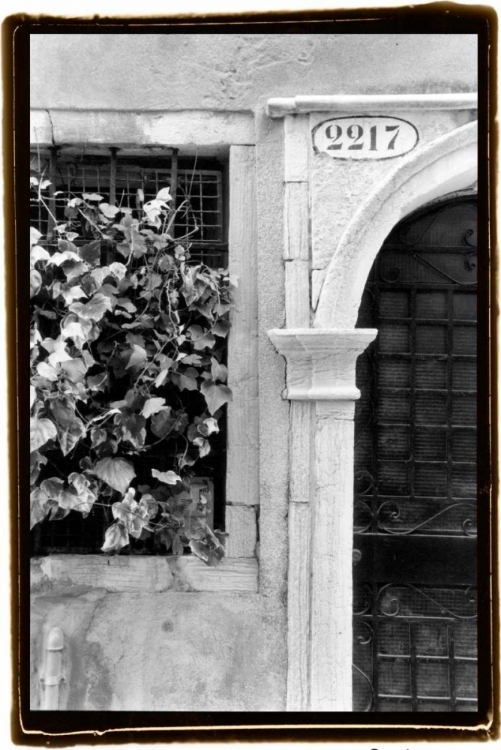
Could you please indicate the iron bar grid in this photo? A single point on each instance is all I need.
(415, 464)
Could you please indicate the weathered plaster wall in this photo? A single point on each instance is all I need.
(161, 652)
(240, 71)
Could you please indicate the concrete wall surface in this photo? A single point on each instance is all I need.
(161, 652)
(240, 71)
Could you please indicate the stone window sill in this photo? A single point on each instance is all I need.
(141, 575)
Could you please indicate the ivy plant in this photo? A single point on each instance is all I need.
(128, 379)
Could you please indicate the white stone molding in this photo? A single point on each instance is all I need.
(242, 473)
(321, 387)
(321, 362)
(280, 107)
(445, 165)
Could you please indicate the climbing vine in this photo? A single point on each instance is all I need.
(128, 375)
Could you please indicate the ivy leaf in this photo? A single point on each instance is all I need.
(33, 396)
(221, 328)
(134, 516)
(109, 211)
(159, 380)
(53, 487)
(41, 431)
(77, 329)
(91, 197)
(116, 537)
(34, 236)
(201, 338)
(91, 253)
(39, 506)
(138, 245)
(57, 349)
(133, 429)
(38, 253)
(98, 436)
(164, 194)
(186, 380)
(36, 460)
(94, 309)
(71, 436)
(118, 270)
(74, 270)
(35, 283)
(192, 359)
(126, 304)
(215, 395)
(75, 370)
(99, 274)
(208, 426)
(63, 410)
(58, 258)
(138, 357)
(152, 406)
(162, 423)
(98, 382)
(117, 472)
(70, 294)
(167, 477)
(124, 249)
(218, 371)
(47, 371)
(203, 446)
(85, 492)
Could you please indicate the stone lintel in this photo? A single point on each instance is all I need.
(321, 362)
(280, 107)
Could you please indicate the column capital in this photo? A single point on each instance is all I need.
(321, 361)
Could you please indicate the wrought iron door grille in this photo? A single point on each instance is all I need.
(415, 470)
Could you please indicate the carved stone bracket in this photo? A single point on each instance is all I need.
(321, 362)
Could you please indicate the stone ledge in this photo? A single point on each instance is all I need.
(279, 107)
(138, 132)
(141, 575)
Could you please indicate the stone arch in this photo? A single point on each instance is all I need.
(446, 165)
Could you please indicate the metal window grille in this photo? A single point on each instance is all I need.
(199, 198)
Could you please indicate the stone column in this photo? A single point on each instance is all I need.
(321, 369)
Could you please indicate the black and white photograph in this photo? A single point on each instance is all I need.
(259, 474)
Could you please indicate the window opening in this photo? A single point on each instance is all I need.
(198, 186)
(416, 470)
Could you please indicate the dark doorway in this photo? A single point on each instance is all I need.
(415, 611)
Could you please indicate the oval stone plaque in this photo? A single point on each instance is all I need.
(364, 137)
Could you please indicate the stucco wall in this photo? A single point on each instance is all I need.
(240, 71)
(161, 652)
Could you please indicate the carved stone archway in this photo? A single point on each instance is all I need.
(446, 165)
(321, 387)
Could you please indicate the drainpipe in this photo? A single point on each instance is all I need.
(53, 670)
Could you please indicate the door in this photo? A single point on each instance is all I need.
(415, 613)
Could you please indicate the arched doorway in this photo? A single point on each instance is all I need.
(415, 469)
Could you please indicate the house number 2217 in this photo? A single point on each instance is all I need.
(364, 137)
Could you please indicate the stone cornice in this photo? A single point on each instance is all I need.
(280, 107)
(321, 362)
